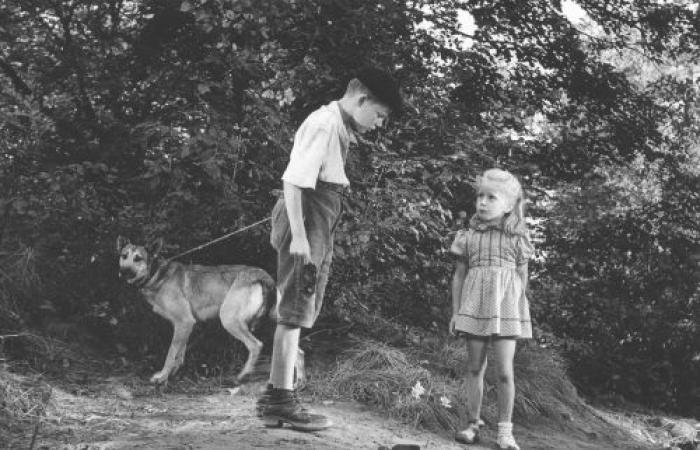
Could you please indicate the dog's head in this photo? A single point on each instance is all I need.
(135, 260)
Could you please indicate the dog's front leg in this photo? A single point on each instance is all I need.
(176, 353)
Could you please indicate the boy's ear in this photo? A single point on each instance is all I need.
(154, 247)
(121, 243)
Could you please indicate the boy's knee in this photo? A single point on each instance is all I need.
(287, 326)
(285, 331)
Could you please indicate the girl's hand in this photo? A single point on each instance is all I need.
(451, 327)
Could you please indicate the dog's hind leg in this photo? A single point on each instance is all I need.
(238, 311)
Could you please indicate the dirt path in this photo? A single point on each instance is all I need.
(112, 416)
(210, 421)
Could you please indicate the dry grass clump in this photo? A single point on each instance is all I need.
(23, 403)
(29, 351)
(542, 386)
(385, 377)
(23, 294)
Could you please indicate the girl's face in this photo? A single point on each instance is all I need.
(492, 204)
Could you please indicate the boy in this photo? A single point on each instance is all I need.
(303, 225)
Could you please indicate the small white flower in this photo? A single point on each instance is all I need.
(445, 402)
(417, 390)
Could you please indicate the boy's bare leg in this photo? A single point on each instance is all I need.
(279, 404)
(284, 353)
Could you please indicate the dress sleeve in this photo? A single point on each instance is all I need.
(459, 245)
(525, 250)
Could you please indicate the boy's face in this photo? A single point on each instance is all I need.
(368, 114)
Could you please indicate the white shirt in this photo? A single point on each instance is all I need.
(320, 147)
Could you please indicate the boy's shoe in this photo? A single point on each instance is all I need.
(469, 435)
(277, 407)
(262, 400)
(264, 397)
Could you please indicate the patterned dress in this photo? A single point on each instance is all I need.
(493, 300)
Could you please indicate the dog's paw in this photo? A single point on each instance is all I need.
(159, 378)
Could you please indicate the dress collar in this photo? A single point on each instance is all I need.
(479, 225)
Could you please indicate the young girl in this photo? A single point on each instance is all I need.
(488, 296)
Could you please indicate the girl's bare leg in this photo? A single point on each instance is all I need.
(476, 368)
(505, 352)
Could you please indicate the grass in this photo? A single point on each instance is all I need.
(18, 282)
(384, 377)
(542, 384)
(23, 403)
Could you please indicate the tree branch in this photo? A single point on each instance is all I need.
(633, 47)
(71, 52)
(14, 77)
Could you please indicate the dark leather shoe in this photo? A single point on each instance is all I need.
(277, 407)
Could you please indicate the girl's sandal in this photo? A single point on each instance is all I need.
(506, 443)
(469, 435)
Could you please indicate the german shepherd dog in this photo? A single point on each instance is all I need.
(185, 294)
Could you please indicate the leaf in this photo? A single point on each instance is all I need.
(186, 6)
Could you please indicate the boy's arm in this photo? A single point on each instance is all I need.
(457, 283)
(292, 201)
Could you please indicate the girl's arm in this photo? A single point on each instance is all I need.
(522, 272)
(457, 283)
(525, 252)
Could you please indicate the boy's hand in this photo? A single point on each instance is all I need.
(300, 247)
(451, 326)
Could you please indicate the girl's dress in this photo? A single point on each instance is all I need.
(493, 300)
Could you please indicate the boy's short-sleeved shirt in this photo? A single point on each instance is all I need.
(320, 148)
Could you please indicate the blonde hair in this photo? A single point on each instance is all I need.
(508, 184)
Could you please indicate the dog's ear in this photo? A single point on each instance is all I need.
(121, 242)
(154, 247)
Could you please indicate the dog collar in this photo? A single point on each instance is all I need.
(157, 266)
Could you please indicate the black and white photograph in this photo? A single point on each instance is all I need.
(350, 224)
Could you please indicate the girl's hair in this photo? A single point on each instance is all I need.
(508, 184)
